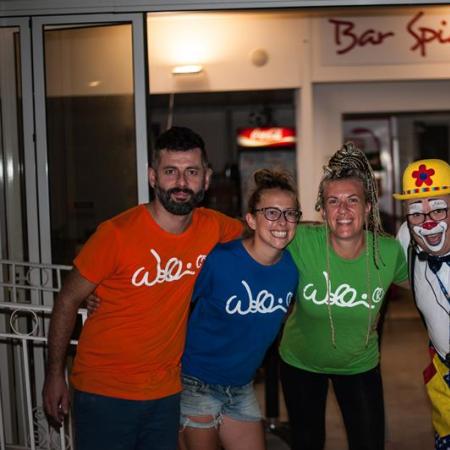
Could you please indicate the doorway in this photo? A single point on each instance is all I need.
(392, 141)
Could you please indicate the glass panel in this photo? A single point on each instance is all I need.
(12, 228)
(12, 200)
(90, 130)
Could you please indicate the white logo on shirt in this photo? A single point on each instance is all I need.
(263, 303)
(344, 296)
(172, 271)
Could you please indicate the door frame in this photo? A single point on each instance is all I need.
(11, 375)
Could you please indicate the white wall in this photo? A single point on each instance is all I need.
(225, 45)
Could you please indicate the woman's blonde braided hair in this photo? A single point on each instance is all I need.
(349, 162)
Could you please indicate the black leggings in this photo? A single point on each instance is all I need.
(360, 398)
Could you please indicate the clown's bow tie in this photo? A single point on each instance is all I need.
(435, 262)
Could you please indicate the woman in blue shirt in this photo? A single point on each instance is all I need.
(240, 299)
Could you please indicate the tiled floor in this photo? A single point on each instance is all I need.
(404, 356)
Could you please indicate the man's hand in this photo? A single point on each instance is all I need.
(56, 398)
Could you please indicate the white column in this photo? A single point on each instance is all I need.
(308, 160)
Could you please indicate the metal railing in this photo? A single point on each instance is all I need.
(27, 294)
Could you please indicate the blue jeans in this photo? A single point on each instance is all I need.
(216, 400)
(108, 423)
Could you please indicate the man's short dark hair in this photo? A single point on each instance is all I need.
(178, 139)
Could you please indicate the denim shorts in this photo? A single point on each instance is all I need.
(217, 400)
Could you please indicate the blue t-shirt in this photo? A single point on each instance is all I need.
(239, 307)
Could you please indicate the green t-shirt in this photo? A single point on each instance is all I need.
(307, 337)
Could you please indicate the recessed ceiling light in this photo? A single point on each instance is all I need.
(187, 69)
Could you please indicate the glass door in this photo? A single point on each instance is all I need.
(18, 202)
(90, 125)
(18, 208)
(91, 129)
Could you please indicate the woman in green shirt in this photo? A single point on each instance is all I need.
(346, 266)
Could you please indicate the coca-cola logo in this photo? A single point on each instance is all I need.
(273, 134)
(266, 137)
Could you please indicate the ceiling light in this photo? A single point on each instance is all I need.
(187, 69)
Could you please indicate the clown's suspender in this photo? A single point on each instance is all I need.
(412, 255)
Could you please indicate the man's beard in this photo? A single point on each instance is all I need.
(179, 208)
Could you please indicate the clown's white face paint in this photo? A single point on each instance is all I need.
(414, 208)
(438, 203)
(434, 238)
(431, 235)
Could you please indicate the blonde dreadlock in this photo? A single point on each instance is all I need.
(349, 162)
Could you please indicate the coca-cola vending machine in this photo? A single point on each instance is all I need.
(264, 147)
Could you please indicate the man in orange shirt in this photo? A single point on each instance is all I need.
(142, 264)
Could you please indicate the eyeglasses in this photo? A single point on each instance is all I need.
(271, 213)
(419, 218)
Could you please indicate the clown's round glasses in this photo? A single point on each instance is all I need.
(419, 218)
(271, 213)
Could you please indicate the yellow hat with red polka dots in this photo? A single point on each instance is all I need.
(425, 178)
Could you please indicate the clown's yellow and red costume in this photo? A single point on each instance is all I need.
(425, 181)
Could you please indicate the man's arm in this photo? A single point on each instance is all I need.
(404, 238)
(404, 284)
(55, 393)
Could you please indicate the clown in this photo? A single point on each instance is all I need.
(425, 238)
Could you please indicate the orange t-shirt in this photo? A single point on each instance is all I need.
(131, 347)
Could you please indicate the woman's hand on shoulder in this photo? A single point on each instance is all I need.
(92, 303)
